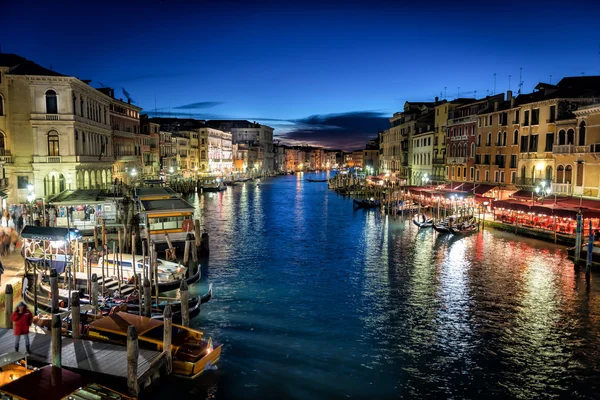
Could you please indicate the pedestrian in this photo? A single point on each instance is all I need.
(21, 319)
(1, 272)
(20, 223)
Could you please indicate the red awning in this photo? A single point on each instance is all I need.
(523, 194)
(512, 205)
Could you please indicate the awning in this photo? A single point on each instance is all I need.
(48, 233)
(511, 205)
(523, 194)
(483, 189)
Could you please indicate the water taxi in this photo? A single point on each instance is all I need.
(192, 353)
(167, 271)
(171, 216)
(212, 184)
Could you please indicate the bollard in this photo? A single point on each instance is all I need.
(185, 305)
(133, 353)
(147, 298)
(75, 316)
(8, 306)
(168, 332)
(95, 293)
(54, 290)
(56, 341)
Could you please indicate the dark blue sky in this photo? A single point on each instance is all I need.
(324, 72)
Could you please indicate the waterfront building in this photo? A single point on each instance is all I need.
(55, 132)
(150, 138)
(371, 155)
(253, 134)
(219, 151)
(331, 159)
(125, 124)
(291, 158)
(547, 119)
(461, 130)
(168, 157)
(181, 146)
(496, 145)
(279, 157)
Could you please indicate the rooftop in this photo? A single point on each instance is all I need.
(156, 191)
(81, 196)
(175, 204)
(21, 66)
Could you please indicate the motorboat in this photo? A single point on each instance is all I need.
(192, 352)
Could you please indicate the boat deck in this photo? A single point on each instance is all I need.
(81, 354)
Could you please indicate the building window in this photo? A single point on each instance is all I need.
(560, 174)
(487, 176)
(568, 174)
(549, 141)
(477, 175)
(517, 114)
(472, 152)
(504, 138)
(51, 103)
(76, 135)
(491, 119)
(579, 174)
(1, 106)
(499, 139)
(479, 140)
(535, 116)
(471, 173)
(513, 161)
(2, 144)
(513, 177)
(552, 114)
(524, 144)
(53, 149)
(489, 139)
(496, 176)
(549, 173)
(533, 143)
(74, 105)
(526, 118)
(570, 136)
(581, 141)
(515, 138)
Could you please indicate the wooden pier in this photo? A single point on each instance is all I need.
(80, 354)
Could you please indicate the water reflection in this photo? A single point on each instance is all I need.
(314, 301)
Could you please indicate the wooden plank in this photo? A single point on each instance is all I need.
(104, 358)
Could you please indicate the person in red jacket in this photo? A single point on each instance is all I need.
(21, 319)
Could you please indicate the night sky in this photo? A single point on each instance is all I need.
(322, 73)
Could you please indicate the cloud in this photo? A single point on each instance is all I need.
(199, 105)
(347, 131)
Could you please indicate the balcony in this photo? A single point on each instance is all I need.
(572, 149)
(530, 181)
(53, 159)
(457, 160)
(439, 160)
(5, 156)
(93, 158)
(562, 188)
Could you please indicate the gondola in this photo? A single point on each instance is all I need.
(423, 224)
(366, 203)
(441, 228)
(463, 229)
(168, 286)
(316, 180)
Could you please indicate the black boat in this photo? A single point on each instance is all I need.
(441, 228)
(424, 224)
(316, 180)
(366, 203)
(463, 229)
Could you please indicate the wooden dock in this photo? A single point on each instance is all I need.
(81, 354)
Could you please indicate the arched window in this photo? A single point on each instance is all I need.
(499, 139)
(562, 137)
(523, 172)
(515, 137)
(560, 174)
(570, 136)
(472, 150)
(53, 144)
(581, 133)
(83, 136)
(549, 174)
(568, 174)
(465, 150)
(51, 103)
(1, 105)
(504, 138)
(81, 106)
(479, 140)
(203, 155)
(2, 144)
(453, 151)
(74, 105)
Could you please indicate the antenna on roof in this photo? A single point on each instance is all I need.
(583, 73)
(475, 94)
(494, 83)
(520, 80)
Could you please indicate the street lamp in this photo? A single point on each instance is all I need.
(542, 190)
(426, 179)
(69, 180)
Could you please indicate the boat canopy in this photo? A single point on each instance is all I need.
(120, 322)
(50, 383)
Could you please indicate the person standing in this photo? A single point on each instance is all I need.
(20, 224)
(21, 319)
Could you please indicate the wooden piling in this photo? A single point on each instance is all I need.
(133, 352)
(186, 253)
(147, 298)
(168, 332)
(54, 290)
(194, 251)
(95, 293)
(185, 305)
(75, 315)
(95, 237)
(56, 341)
(8, 306)
(197, 232)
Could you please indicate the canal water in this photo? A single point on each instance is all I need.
(315, 300)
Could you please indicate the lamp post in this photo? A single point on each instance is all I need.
(69, 180)
(542, 190)
(426, 179)
(30, 199)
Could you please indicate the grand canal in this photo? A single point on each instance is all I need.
(316, 301)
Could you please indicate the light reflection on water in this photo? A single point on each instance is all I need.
(314, 300)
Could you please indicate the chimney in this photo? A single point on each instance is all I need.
(436, 99)
(128, 101)
(509, 95)
(496, 104)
